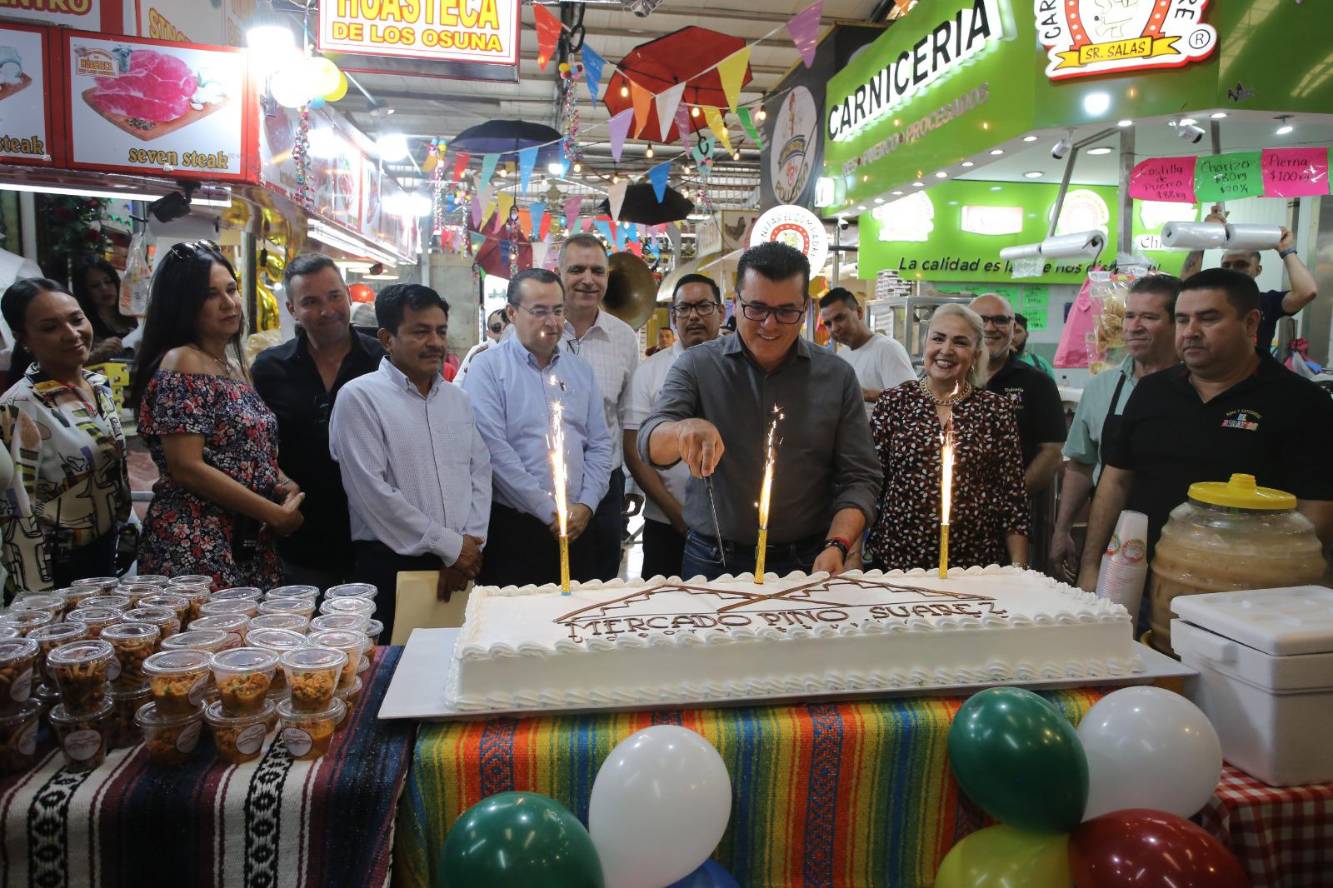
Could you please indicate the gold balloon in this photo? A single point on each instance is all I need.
(429, 163)
(237, 215)
(267, 308)
(274, 266)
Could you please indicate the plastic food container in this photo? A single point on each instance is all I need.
(243, 676)
(8, 632)
(307, 734)
(95, 618)
(81, 670)
(126, 702)
(239, 739)
(18, 660)
(137, 592)
(351, 590)
(133, 643)
(362, 606)
(52, 604)
(102, 584)
(373, 633)
(349, 695)
(290, 622)
(304, 607)
(18, 738)
(247, 593)
(198, 596)
(351, 622)
(312, 676)
(178, 679)
(83, 738)
(115, 602)
(26, 621)
(1265, 662)
(76, 595)
(154, 579)
(208, 640)
(169, 739)
(165, 619)
(350, 643)
(178, 604)
(191, 580)
(50, 637)
(292, 592)
(246, 607)
(235, 625)
(279, 641)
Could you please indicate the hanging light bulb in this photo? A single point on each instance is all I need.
(615, 180)
(762, 115)
(503, 171)
(649, 152)
(624, 91)
(578, 167)
(694, 110)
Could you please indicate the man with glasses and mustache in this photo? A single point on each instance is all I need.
(714, 412)
(696, 316)
(513, 388)
(496, 322)
(300, 380)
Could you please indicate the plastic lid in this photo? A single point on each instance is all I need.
(1241, 492)
(95, 614)
(26, 710)
(99, 582)
(341, 639)
(351, 622)
(165, 599)
(314, 658)
(293, 592)
(286, 606)
(1290, 620)
(197, 640)
(150, 614)
(335, 711)
(28, 619)
(250, 593)
(8, 632)
(191, 580)
(114, 602)
(142, 692)
(127, 631)
(290, 622)
(155, 579)
(37, 602)
(275, 639)
(17, 649)
(245, 606)
(148, 716)
(169, 662)
(345, 693)
(363, 606)
(221, 622)
(80, 652)
(68, 631)
(215, 716)
(245, 659)
(351, 590)
(60, 715)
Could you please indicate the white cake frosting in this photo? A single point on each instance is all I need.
(667, 640)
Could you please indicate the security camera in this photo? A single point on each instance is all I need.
(1190, 133)
(844, 223)
(1061, 148)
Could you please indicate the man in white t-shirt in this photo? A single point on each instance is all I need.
(879, 361)
(696, 317)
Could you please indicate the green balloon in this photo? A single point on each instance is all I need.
(1003, 857)
(519, 839)
(1017, 757)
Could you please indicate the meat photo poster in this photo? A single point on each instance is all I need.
(24, 137)
(164, 108)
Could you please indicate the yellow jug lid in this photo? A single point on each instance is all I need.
(1241, 492)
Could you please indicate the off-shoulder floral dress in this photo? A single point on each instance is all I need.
(185, 533)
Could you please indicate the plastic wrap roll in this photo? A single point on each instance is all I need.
(1080, 245)
(1025, 251)
(1194, 235)
(1253, 237)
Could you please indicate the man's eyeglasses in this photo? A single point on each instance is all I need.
(702, 309)
(785, 314)
(997, 320)
(543, 312)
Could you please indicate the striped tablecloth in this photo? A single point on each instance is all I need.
(271, 823)
(1282, 834)
(823, 794)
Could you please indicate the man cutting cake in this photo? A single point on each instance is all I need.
(715, 409)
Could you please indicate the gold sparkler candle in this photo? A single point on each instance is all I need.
(558, 481)
(766, 495)
(946, 493)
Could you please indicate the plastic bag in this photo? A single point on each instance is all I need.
(138, 278)
(1078, 336)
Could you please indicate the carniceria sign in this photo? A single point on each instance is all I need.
(969, 31)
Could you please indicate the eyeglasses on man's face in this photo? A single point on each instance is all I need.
(785, 314)
(543, 312)
(997, 320)
(702, 309)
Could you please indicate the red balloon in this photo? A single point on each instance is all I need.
(1138, 848)
(361, 293)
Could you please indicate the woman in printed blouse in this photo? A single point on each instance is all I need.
(221, 496)
(989, 516)
(61, 512)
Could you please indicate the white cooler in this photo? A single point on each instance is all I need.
(1265, 662)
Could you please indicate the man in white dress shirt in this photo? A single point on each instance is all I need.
(416, 469)
(611, 348)
(696, 316)
(880, 362)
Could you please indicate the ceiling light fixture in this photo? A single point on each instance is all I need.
(1029, 138)
(392, 146)
(1032, 174)
(861, 208)
(1284, 125)
(1099, 151)
(1218, 115)
(1124, 123)
(897, 194)
(918, 184)
(1096, 104)
(967, 164)
(1188, 121)
(996, 152)
(941, 175)
(879, 200)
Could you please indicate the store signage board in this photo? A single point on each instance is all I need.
(1090, 37)
(1228, 176)
(25, 113)
(485, 31)
(1295, 172)
(148, 106)
(796, 227)
(86, 15)
(1163, 178)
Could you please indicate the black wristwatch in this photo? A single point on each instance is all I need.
(837, 544)
(1283, 254)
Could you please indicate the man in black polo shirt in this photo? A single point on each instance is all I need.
(1227, 409)
(299, 381)
(1036, 403)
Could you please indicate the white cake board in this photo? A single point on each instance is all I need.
(419, 688)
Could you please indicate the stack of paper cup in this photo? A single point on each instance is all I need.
(1125, 563)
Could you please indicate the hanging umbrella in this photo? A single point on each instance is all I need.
(641, 205)
(508, 137)
(662, 63)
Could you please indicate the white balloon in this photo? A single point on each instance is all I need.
(1149, 748)
(659, 806)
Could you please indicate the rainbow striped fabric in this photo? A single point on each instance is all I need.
(823, 794)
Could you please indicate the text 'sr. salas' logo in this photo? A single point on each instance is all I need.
(1086, 37)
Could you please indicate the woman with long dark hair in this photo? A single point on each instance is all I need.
(60, 513)
(221, 496)
(96, 285)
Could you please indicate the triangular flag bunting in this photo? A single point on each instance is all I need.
(488, 163)
(538, 211)
(804, 30)
(460, 164)
(616, 197)
(525, 222)
(619, 127)
(476, 210)
(658, 176)
(731, 71)
(636, 248)
(552, 256)
(683, 126)
(642, 100)
(539, 253)
(572, 206)
(673, 235)
(604, 229)
(504, 203)
(667, 102)
(587, 223)
(548, 32)
(750, 130)
(719, 128)
(592, 69)
(527, 159)
(478, 240)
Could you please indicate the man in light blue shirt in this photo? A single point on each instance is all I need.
(416, 470)
(1150, 340)
(513, 387)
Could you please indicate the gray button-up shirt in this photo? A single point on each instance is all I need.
(825, 462)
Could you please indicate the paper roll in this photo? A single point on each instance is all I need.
(1026, 251)
(1080, 245)
(1253, 237)
(1194, 235)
